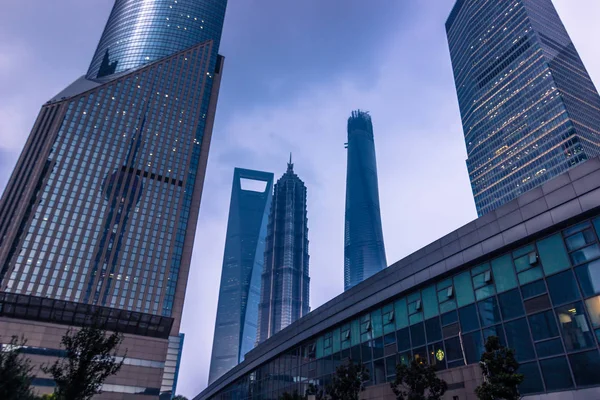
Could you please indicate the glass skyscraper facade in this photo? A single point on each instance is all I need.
(142, 31)
(529, 109)
(285, 278)
(100, 211)
(364, 251)
(243, 259)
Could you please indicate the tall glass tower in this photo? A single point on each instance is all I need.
(285, 279)
(529, 109)
(239, 293)
(364, 251)
(100, 213)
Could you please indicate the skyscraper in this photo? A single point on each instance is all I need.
(529, 109)
(239, 293)
(100, 213)
(364, 251)
(285, 280)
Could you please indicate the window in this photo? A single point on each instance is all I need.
(379, 372)
(433, 330)
(563, 288)
(365, 351)
(580, 239)
(585, 367)
(453, 349)
(517, 336)
(400, 313)
(390, 366)
(533, 380)
(533, 289)
(585, 254)
(377, 348)
(404, 358)
(489, 312)
(549, 348)
(446, 295)
(556, 373)
(430, 302)
(389, 325)
(403, 337)
(589, 278)
(449, 318)
(473, 345)
(390, 338)
(482, 281)
(355, 353)
(495, 331)
(437, 356)
(537, 304)
(553, 254)
(504, 274)
(376, 324)
(511, 304)
(575, 329)
(468, 318)
(543, 325)
(530, 275)
(415, 311)
(417, 334)
(464, 289)
(593, 307)
(525, 262)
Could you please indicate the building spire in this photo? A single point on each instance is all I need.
(290, 164)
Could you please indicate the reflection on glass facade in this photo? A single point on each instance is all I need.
(239, 293)
(171, 367)
(541, 299)
(529, 109)
(285, 278)
(102, 228)
(101, 208)
(142, 31)
(364, 251)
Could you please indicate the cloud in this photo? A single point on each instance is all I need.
(293, 73)
(424, 189)
(420, 153)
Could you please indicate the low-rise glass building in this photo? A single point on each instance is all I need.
(528, 272)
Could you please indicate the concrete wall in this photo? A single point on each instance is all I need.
(461, 382)
(39, 334)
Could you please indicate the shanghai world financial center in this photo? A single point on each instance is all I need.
(100, 213)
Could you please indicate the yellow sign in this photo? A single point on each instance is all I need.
(440, 355)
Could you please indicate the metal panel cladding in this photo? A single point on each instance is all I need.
(143, 31)
(239, 293)
(364, 251)
(529, 109)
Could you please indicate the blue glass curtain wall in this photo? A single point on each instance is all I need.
(541, 299)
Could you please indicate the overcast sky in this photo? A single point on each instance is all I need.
(294, 70)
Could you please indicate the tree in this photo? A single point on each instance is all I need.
(499, 369)
(15, 372)
(418, 381)
(293, 396)
(314, 390)
(91, 358)
(180, 397)
(348, 381)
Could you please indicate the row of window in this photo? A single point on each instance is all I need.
(542, 300)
